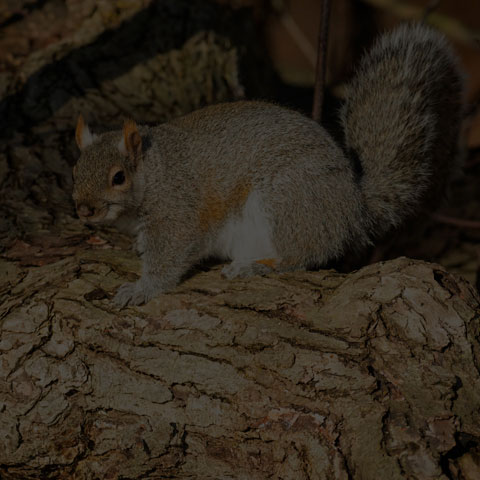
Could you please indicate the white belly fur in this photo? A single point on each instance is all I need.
(247, 236)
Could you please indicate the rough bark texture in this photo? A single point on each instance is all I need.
(299, 376)
(148, 59)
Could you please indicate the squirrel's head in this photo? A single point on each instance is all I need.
(104, 176)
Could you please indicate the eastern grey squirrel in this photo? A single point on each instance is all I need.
(267, 187)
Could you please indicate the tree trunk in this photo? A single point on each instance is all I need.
(297, 376)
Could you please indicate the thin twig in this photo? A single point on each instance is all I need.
(320, 72)
(456, 222)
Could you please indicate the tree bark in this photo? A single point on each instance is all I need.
(147, 59)
(297, 376)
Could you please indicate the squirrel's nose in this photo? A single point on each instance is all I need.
(85, 211)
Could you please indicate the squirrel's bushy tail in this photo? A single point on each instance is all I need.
(402, 120)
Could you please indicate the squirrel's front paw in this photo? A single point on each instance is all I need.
(129, 294)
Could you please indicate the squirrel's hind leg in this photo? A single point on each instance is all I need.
(250, 268)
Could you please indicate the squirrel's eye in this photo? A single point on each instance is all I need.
(118, 178)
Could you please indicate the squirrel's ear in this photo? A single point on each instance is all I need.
(131, 143)
(83, 136)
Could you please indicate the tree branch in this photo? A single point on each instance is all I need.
(320, 74)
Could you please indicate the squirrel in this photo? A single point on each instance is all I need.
(268, 188)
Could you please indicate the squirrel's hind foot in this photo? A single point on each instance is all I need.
(248, 268)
